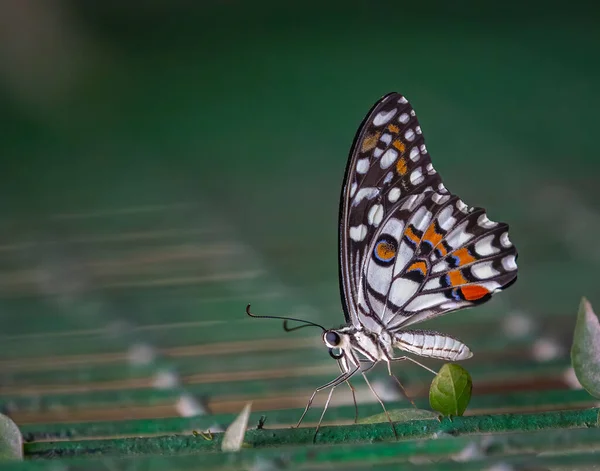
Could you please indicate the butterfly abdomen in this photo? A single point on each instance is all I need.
(427, 343)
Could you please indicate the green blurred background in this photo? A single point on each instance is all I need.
(164, 165)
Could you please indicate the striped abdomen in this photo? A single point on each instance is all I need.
(427, 343)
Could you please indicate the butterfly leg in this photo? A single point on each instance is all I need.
(404, 393)
(332, 384)
(340, 364)
(410, 359)
(323, 413)
(389, 365)
(354, 400)
(380, 402)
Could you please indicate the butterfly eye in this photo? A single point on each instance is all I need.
(332, 338)
(385, 250)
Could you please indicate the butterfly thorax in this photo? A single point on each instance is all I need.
(354, 344)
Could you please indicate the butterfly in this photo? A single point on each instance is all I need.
(409, 251)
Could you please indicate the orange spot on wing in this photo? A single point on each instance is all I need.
(474, 292)
(456, 278)
(432, 236)
(441, 248)
(464, 257)
(398, 144)
(385, 251)
(393, 128)
(411, 235)
(401, 166)
(419, 266)
(369, 142)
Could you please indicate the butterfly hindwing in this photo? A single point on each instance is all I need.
(410, 250)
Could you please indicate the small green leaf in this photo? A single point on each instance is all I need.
(450, 390)
(11, 440)
(585, 352)
(400, 415)
(233, 439)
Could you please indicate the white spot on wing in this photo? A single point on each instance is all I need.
(386, 139)
(433, 283)
(442, 188)
(505, 241)
(403, 118)
(402, 290)
(423, 149)
(362, 166)
(418, 130)
(388, 178)
(440, 266)
(459, 236)
(384, 117)
(358, 233)
(402, 100)
(483, 221)
(388, 158)
(353, 190)
(412, 202)
(484, 246)
(483, 271)
(394, 227)
(394, 195)
(368, 193)
(440, 199)
(414, 154)
(421, 218)
(409, 135)
(379, 278)
(462, 206)
(405, 255)
(377, 152)
(416, 176)
(509, 263)
(375, 215)
(445, 219)
(426, 301)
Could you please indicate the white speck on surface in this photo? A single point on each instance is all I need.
(165, 379)
(470, 452)
(189, 406)
(501, 467)
(546, 349)
(140, 354)
(517, 325)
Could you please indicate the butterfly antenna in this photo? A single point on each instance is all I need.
(291, 329)
(285, 319)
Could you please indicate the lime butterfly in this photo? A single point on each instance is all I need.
(409, 250)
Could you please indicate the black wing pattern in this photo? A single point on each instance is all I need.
(409, 249)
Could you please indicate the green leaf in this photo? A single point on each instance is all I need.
(400, 415)
(450, 390)
(11, 440)
(233, 439)
(585, 352)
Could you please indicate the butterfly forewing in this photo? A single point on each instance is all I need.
(410, 250)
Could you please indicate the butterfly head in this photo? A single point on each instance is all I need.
(337, 342)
